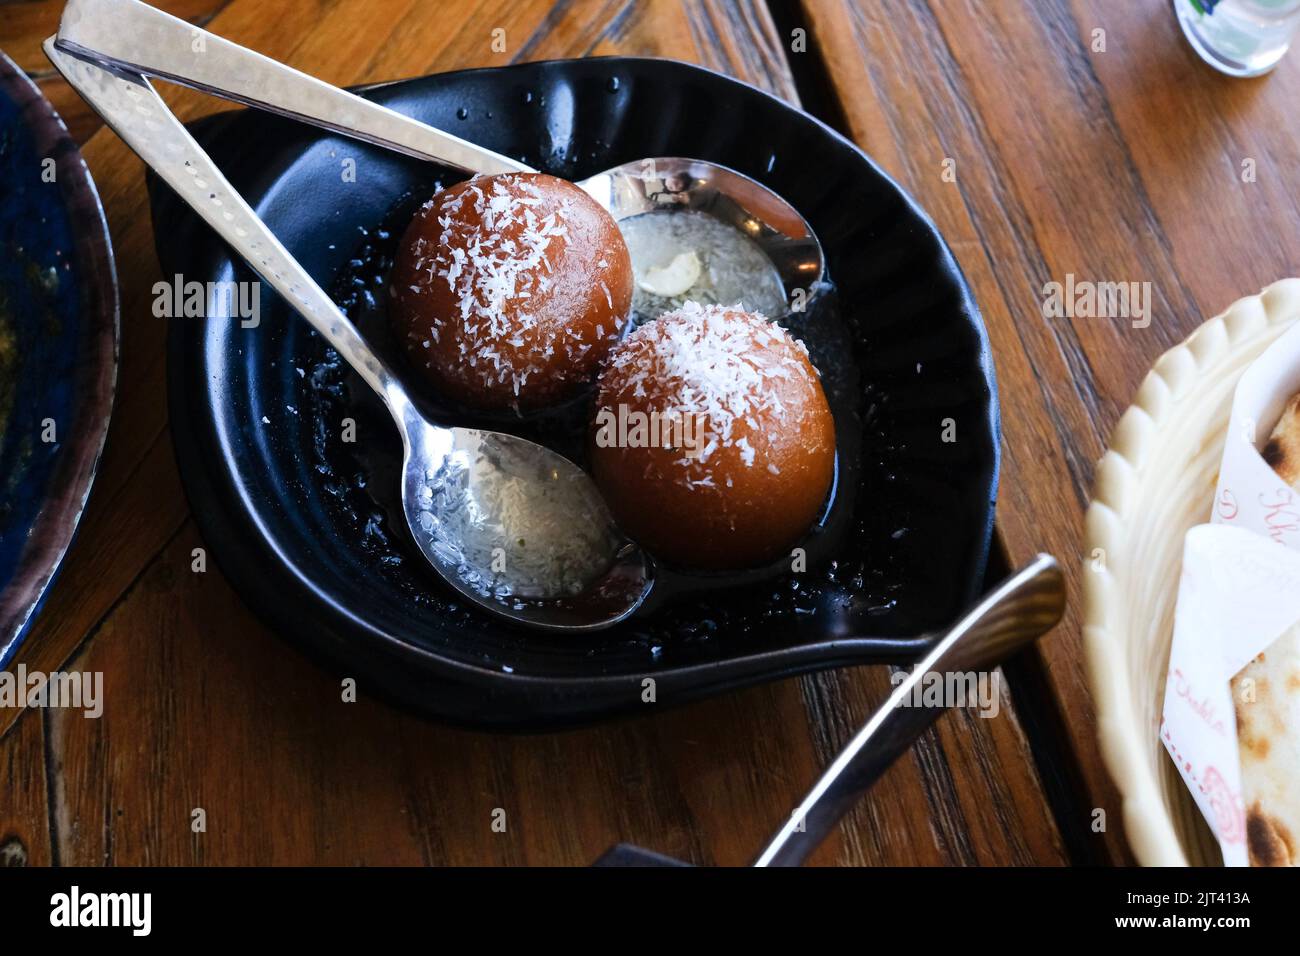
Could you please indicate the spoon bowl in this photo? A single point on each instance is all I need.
(504, 520)
(746, 205)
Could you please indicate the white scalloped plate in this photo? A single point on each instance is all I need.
(1157, 481)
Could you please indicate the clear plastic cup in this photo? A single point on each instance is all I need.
(1239, 37)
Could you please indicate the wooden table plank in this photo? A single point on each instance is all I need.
(1122, 164)
(24, 818)
(205, 708)
(25, 24)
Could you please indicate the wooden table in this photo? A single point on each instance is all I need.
(1112, 156)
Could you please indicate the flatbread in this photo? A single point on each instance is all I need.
(1266, 695)
(1282, 450)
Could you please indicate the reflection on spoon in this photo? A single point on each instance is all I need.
(514, 524)
(682, 254)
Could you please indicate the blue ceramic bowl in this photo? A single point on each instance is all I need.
(307, 526)
(58, 346)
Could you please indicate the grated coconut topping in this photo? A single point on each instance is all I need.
(713, 364)
(492, 269)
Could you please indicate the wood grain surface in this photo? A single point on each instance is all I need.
(205, 709)
(1122, 164)
(1113, 156)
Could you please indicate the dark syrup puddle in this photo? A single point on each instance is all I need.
(854, 563)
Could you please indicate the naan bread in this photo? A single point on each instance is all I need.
(1282, 450)
(1267, 697)
(1266, 693)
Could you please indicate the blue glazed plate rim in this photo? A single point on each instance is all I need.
(51, 532)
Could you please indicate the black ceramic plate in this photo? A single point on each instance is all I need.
(58, 346)
(303, 523)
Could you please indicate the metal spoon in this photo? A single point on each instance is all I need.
(1014, 615)
(469, 495)
(132, 35)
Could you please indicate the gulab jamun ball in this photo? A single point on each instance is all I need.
(742, 468)
(508, 291)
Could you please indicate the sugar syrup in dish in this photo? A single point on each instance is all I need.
(849, 568)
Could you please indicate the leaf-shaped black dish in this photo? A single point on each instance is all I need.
(302, 521)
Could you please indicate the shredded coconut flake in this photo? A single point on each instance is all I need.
(713, 361)
(493, 266)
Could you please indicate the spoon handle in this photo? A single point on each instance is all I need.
(1017, 612)
(142, 39)
(131, 107)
